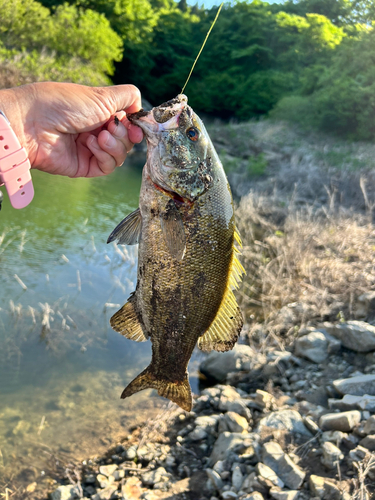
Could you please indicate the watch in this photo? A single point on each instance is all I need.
(14, 166)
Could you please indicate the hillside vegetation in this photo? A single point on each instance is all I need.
(309, 61)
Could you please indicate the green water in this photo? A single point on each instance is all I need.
(62, 368)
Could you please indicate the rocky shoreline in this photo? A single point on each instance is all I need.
(290, 412)
(279, 424)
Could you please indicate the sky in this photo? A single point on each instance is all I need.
(210, 3)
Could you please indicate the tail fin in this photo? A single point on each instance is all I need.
(178, 392)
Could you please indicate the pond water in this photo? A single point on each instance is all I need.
(62, 367)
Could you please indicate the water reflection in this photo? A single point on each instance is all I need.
(62, 368)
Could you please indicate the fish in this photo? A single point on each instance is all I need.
(189, 245)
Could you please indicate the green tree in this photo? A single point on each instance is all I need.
(337, 11)
(68, 44)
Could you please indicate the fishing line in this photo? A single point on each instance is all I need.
(204, 43)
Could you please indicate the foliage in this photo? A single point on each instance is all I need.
(342, 97)
(309, 61)
(68, 44)
(257, 165)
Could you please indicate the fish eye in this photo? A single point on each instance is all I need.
(192, 134)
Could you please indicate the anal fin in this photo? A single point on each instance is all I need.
(126, 322)
(225, 329)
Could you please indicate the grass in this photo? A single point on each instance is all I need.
(302, 264)
(305, 214)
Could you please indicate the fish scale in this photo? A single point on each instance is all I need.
(187, 263)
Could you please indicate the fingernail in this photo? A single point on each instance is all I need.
(93, 142)
(119, 131)
(111, 141)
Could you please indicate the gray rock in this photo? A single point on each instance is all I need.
(251, 483)
(313, 346)
(104, 481)
(229, 396)
(344, 421)
(68, 492)
(207, 422)
(170, 461)
(211, 392)
(335, 437)
(324, 488)
(90, 479)
(154, 476)
(267, 473)
(288, 420)
(356, 386)
(368, 442)
(223, 426)
(229, 495)
(358, 454)
(230, 393)
(272, 454)
(284, 495)
(227, 442)
(369, 427)
(219, 467)
(215, 479)
(237, 478)
(349, 402)
(255, 496)
(239, 406)
(281, 463)
(105, 494)
(197, 434)
(107, 470)
(264, 399)
(356, 335)
(235, 422)
(310, 425)
(118, 474)
(350, 441)
(365, 305)
(218, 365)
(331, 455)
(334, 344)
(130, 453)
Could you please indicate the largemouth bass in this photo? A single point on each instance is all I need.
(187, 258)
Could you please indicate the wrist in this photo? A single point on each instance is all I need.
(16, 105)
(14, 162)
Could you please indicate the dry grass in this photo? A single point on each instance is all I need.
(306, 219)
(302, 265)
(361, 490)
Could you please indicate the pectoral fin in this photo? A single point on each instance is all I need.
(128, 231)
(225, 329)
(173, 230)
(126, 322)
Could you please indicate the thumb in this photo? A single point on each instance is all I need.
(124, 97)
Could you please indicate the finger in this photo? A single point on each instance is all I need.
(123, 97)
(135, 133)
(113, 146)
(120, 132)
(101, 163)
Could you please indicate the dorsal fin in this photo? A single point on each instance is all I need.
(128, 231)
(226, 327)
(126, 322)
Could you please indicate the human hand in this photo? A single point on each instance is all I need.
(70, 129)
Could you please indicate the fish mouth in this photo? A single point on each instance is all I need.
(163, 117)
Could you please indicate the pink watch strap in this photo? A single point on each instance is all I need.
(14, 166)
